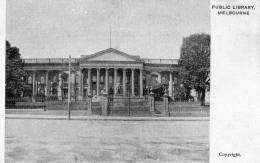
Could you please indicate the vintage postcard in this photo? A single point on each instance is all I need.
(129, 80)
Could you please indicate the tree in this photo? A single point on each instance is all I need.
(195, 63)
(14, 73)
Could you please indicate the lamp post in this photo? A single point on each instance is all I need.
(51, 88)
(69, 88)
(129, 99)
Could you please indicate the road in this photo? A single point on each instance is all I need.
(32, 140)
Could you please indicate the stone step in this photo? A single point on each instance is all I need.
(159, 115)
(184, 114)
(131, 109)
(189, 114)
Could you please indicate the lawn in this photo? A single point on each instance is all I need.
(106, 141)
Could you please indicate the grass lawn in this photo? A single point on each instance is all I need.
(106, 141)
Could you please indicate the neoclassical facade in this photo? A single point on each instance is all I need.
(109, 71)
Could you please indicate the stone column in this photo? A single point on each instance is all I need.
(36, 87)
(166, 111)
(174, 82)
(115, 81)
(104, 106)
(133, 81)
(124, 82)
(151, 100)
(141, 83)
(170, 85)
(106, 81)
(89, 81)
(46, 83)
(80, 84)
(98, 74)
(34, 82)
(59, 87)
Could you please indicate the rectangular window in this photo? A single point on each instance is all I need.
(94, 78)
(110, 79)
(42, 80)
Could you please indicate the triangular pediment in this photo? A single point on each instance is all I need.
(111, 55)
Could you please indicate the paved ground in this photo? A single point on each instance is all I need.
(36, 112)
(103, 118)
(32, 140)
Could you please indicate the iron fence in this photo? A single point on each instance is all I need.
(44, 103)
(24, 103)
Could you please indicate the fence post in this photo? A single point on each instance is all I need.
(151, 102)
(111, 107)
(104, 105)
(166, 106)
(44, 109)
(89, 105)
(129, 103)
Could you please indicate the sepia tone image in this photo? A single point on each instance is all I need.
(107, 81)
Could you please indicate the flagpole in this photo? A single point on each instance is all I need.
(110, 36)
(69, 88)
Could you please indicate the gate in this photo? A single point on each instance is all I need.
(128, 106)
(96, 108)
(159, 107)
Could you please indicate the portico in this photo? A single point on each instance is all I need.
(107, 70)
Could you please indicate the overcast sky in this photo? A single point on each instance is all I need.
(149, 28)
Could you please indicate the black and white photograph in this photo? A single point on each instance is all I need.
(107, 81)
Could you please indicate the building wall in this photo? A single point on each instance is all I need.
(49, 77)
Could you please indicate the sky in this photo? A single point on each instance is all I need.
(148, 28)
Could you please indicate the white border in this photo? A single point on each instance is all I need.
(235, 84)
(235, 81)
(2, 80)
